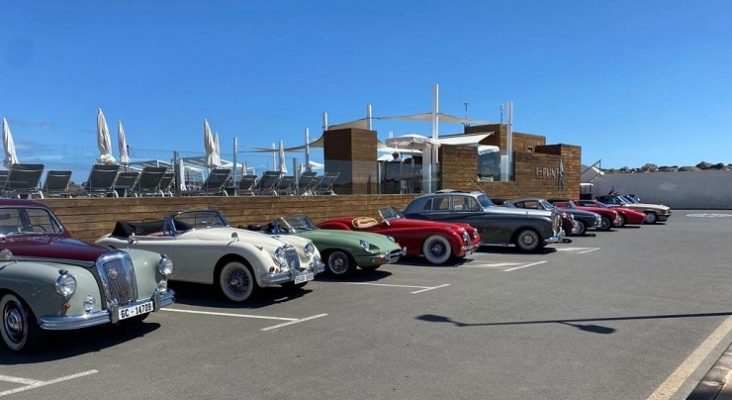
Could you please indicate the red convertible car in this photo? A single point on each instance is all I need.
(438, 242)
(627, 215)
(609, 219)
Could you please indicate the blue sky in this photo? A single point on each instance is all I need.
(629, 81)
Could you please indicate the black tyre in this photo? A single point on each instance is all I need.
(20, 331)
(651, 217)
(582, 227)
(237, 282)
(528, 240)
(605, 224)
(436, 249)
(339, 264)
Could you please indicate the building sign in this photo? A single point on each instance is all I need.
(551, 175)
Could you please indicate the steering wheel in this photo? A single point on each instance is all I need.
(33, 227)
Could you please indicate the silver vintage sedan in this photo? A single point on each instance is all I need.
(529, 230)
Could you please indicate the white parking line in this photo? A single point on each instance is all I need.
(294, 322)
(525, 266)
(32, 383)
(423, 288)
(490, 265)
(578, 250)
(588, 250)
(220, 314)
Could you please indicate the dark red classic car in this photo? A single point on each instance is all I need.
(627, 215)
(438, 242)
(609, 219)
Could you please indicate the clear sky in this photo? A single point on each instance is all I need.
(629, 81)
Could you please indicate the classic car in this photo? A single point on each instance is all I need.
(51, 282)
(437, 242)
(529, 230)
(608, 217)
(342, 251)
(206, 249)
(653, 212)
(583, 219)
(627, 215)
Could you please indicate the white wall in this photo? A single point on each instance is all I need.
(696, 190)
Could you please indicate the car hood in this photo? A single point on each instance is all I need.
(646, 206)
(223, 235)
(45, 246)
(520, 211)
(333, 235)
(577, 212)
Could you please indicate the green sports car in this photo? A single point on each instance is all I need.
(342, 251)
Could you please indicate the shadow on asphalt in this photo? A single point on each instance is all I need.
(514, 250)
(576, 323)
(361, 275)
(66, 344)
(201, 295)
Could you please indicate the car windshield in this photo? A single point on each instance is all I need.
(547, 205)
(200, 219)
(631, 199)
(23, 220)
(622, 200)
(484, 201)
(295, 223)
(388, 213)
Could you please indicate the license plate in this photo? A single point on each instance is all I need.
(139, 309)
(304, 277)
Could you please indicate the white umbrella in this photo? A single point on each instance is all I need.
(283, 165)
(9, 146)
(212, 159)
(181, 173)
(124, 154)
(217, 148)
(104, 143)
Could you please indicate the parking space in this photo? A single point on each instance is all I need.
(480, 317)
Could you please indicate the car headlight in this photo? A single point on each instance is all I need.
(391, 238)
(466, 237)
(280, 257)
(365, 245)
(309, 249)
(65, 285)
(165, 266)
(475, 233)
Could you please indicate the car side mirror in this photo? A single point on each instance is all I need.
(235, 236)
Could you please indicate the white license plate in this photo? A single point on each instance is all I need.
(304, 277)
(139, 309)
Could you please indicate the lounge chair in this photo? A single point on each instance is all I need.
(325, 185)
(246, 185)
(214, 184)
(4, 177)
(166, 183)
(285, 186)
(267, 183)
(102, 178)
(149, 182)
(308, 180)
(23, 181)
(126, 180)
(56, 184)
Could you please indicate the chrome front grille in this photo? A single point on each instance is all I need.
(118, 277)
(293, 259)
(394, 255)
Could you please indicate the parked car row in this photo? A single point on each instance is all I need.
(50, 282)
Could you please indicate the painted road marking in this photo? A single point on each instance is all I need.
(32, 383)
(525, 266)
(491, 265)
(669, 387)
(422, 288)
(709, 215)
(578, 250)
(288, 321)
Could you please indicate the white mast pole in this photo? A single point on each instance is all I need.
(307, 149)
(325, 121)
(369, 117)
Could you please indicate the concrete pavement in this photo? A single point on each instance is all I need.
(716, 383)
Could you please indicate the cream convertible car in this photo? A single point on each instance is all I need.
(206, 249)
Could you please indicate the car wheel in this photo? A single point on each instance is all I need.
(436, 249)
(582, 228)
(528, 240)
(338, 263)
(20, 331)
(623, 220)
(605, 224)
(237, 282)
(651, 217)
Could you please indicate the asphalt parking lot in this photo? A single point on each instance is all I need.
(635, 313)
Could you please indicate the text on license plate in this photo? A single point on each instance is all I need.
(138, 309)
(304, 277)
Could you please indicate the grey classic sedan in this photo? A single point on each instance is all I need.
(585, 219)
(529, 230)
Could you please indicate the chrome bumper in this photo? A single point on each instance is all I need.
(289, 275)
(556, 238)
(111, 315)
